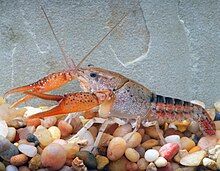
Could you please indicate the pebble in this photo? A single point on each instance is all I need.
(142, 164)
(43, 136)
(35, 162)
(169, 150)
(19, 160)
(132, 155)
(194, 149)
(187, 143)
(150, 143)
(119, 165)
(211, 164)
(122, 130)
(24, 168)
(71, 150)
(11, 134)
(179, 155)
(105, 139)
(55, 132)
(217, 106)
(24, 132)
(77, 124)
(131, 166)
(102, 161)
(193, 159)
(151, 131)
(2, 167)
(151, 155)
(32, 138)
(88, 159)
(116, 148)
(218, 161)
(161, 162)
(11, 168)
(206, 142)
(173, 126)
(171, 131)
(133, 139)
(3, 128)
(172, 139)
(140, 150)
(65, 128)
(28, 150)
(16, 123)
(33, 122)
(193, 127)
(60, 141)
(182, 126)
(66, 168)
(53, 156)
(151, 167)
(48, 121)
(9, 150)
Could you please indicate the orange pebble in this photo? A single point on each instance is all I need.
(65, 128)
(18, 160)
(194, 149)
(33, 122)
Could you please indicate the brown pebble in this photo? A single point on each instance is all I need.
(152, 132)
(18, 160)
(94, 131)
(171, 131)
(65, 128)
(131, 166)
(35, 162)
(150, 143)
(77, 124)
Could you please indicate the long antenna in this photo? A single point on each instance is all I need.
(61, 48)
(98, 44)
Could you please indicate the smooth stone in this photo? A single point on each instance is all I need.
(28, 150)
(53, 156)
(161, 162)
(151, 155)
(8, 153)
(66, 168)
(140, 150)
(172, 139)
(102, 161)
(152, 132)
(194, 149)
(43, 136)
(180, 154)
(19, 160)
(24, 132)
(116, 148)
(55, 132)
(217, 106)
(171, 131)
(187, 143)
(122, 130)
(119, 165)
(3, 128)
(132, 155)
(11, 168)
(23, 168)
(88, 159)
(2, 167)
(11, 134)
(193, 159)
(169, 150)
(206, 142)
(211, 164)
(71, 150)
(32, 138)
(65, 128)
(48, 121)
(133, 139)
(35, 162)
(150, 143)
(142, 164)
(151, 167)
(4, 143)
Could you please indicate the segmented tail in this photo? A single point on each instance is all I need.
(167, 109)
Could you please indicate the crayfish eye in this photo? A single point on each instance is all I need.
(93, 75)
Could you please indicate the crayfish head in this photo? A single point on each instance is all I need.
(94, 79)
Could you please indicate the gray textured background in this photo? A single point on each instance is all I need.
(172, 47)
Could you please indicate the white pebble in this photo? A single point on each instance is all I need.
(3, 128)
(11, 134)
(217, 106)
(11, 168)
(28, 150)
(161, 162)
(151, 155)
(173, 139)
